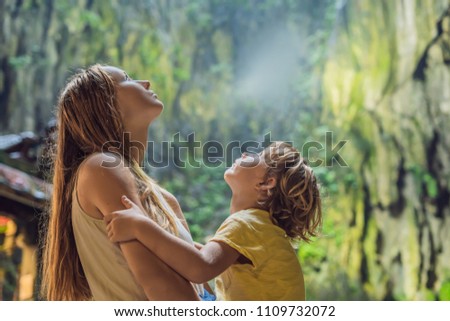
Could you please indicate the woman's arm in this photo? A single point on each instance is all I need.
(100, 188)
(196, 265)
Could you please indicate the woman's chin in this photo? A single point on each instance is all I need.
(228, 176)
(156, 109)
(225, 175)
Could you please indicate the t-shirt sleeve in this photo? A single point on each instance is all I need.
(236, 232)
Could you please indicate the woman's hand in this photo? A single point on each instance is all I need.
(122, 225)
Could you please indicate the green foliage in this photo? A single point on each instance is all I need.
(328, 179)
(429, 295)
(444, 291)
(91, 19)
(204, 198)
(9, 270)
(422, 176)
(20, 61)
(431, 185)
(311, 254)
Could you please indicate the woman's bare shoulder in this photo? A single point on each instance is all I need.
(106, 160)
(102, 179)
(102, 167)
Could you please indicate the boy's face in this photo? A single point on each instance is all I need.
(246, 174)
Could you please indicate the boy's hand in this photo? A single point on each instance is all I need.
(122, 224)
(198, 246)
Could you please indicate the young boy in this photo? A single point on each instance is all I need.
(275, 198)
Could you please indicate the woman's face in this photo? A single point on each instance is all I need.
(138, 104)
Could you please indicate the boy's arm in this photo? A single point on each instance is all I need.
(196, 265)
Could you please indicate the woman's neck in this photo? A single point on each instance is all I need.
(138, 144)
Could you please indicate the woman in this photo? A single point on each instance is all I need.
(103, 118)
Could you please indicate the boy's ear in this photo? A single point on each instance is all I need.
(270, 183)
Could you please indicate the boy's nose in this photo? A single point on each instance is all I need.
(145, 83)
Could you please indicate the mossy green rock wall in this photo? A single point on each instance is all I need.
(387, 90)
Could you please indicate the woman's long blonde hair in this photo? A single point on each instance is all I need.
(88, 121)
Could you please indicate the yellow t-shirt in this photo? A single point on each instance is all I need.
(275, 273)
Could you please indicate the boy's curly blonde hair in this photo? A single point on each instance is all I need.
(294, 203)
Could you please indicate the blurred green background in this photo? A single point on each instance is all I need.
(374, 73)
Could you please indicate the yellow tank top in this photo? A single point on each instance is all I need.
(104, 265)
